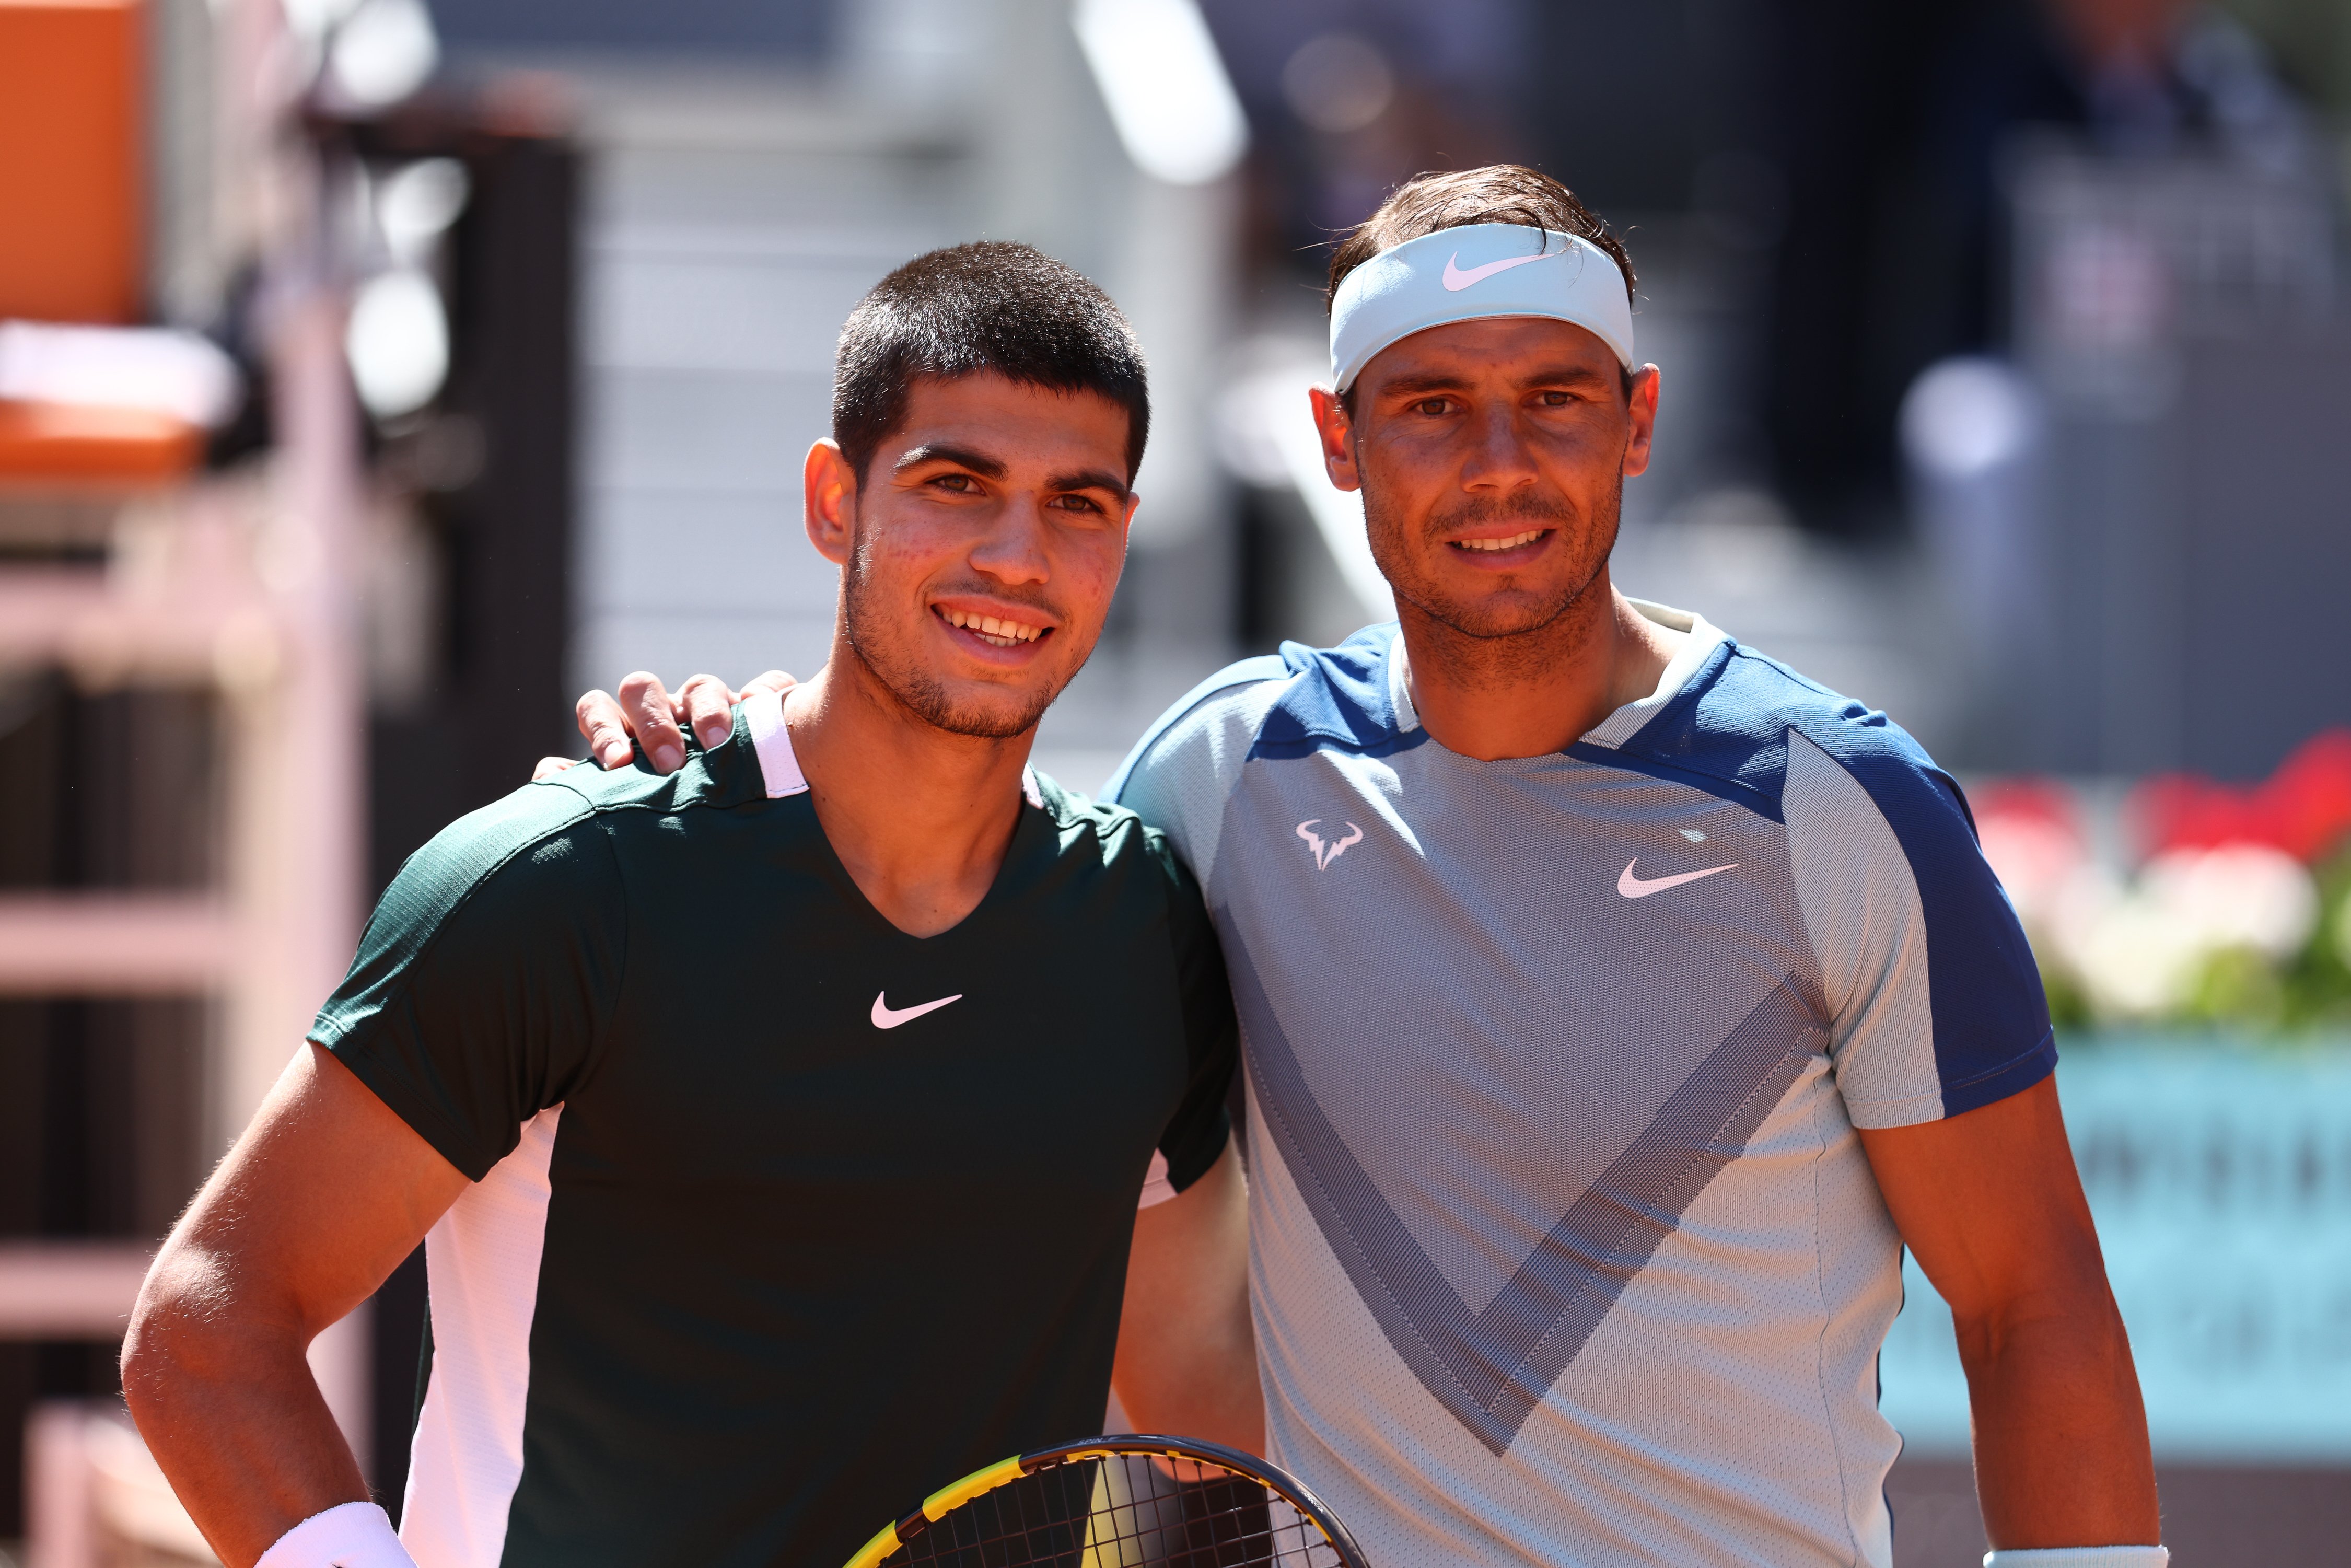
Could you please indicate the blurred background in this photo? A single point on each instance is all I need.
(377, 374)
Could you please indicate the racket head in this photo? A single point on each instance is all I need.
(1133, 1500)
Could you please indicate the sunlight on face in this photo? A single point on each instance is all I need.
(983, 548)
(1492, 457)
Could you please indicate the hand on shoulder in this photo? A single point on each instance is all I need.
(647, 713)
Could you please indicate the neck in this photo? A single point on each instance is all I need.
(1533, 693)
(920, 817)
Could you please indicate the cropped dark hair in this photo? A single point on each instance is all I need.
(1497, 194)
(987, 306)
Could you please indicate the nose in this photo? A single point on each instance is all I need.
(1013, 551)
(1498, 459)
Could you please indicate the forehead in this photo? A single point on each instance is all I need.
(1504, 350)
(1015, 423)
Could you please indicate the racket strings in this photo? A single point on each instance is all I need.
(1130, 1511)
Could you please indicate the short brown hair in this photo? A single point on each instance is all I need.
(1498, 193)
(991, 305)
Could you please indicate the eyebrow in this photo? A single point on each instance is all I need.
(1428, 382)
(1089, 479)
(1438, 380)
(1572, 373)
(979, 463)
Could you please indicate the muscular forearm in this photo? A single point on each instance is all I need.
(2061, 1443)
(223, 1394)
(1186, 1347)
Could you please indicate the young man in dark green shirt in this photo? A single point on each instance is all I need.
(727, 1273)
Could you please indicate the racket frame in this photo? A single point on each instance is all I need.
(980, 1483)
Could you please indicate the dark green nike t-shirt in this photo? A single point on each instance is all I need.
(781, 1217)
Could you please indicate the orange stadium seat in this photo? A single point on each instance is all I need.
(71, 181)
(72, 242)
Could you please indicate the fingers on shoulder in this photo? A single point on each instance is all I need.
(706, 703)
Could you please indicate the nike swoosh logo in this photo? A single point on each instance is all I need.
(887, 1017)
(1457, 279)
(1632, 886)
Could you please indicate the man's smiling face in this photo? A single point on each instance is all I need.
(1491, 455)
(981, 548)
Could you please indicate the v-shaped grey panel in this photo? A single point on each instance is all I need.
(1571, 1014)
(1490, 1366)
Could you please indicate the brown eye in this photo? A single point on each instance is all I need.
(1433, 405)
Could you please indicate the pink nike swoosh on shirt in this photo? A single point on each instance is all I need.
(887, 1017)
(1458, 278)
(1632, 886)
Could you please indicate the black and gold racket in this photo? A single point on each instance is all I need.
(1119, 1502)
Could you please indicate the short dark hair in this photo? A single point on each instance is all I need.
(1497, 194)
(988, 306)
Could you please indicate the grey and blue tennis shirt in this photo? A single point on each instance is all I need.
(1564, 1249)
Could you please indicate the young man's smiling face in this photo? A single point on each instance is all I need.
(1491, 455)
(981, 549)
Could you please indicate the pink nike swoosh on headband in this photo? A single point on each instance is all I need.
(1457, 279)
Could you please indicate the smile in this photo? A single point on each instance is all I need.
(995, 632)
(1513, 542)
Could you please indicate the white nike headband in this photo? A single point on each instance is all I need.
(1469, 274)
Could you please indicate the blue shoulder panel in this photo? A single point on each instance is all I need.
(1343, 699)
(1992, 1034)
(1727, 733)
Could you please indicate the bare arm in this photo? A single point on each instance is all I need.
(1991, 1204)
(1187, 1361)
(321, 1200)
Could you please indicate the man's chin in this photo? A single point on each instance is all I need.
(992, 714)
(1491, 616)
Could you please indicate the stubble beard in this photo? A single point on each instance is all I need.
(918, 689)
(1512, 632)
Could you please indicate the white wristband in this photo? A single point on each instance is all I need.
(348, 1535)
(2081, 1557)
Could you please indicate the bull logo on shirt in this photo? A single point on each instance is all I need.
(1325, 853)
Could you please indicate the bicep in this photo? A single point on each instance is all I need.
(1187, 1274)
(1193, 1239)
(1990, 1203)
(322, 1198)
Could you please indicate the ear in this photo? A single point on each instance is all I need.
(829, 500)
(1643, 411)
(1337, 432)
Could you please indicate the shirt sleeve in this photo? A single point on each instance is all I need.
(1181, 772)
(1197, 1135)
(1935, 1001)
(487, 974)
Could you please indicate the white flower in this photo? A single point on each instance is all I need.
(2134, 959)
(2138, 951)
(2237, 895)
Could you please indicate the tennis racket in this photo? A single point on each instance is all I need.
(1119, 1502)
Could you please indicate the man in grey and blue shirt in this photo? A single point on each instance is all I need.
(1616, 1003)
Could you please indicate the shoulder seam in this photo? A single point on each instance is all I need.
(441, 928)
(1197, 698)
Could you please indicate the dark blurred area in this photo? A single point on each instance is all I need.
(1850, 162)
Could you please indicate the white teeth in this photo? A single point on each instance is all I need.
(996, 633)
(1513, 542)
